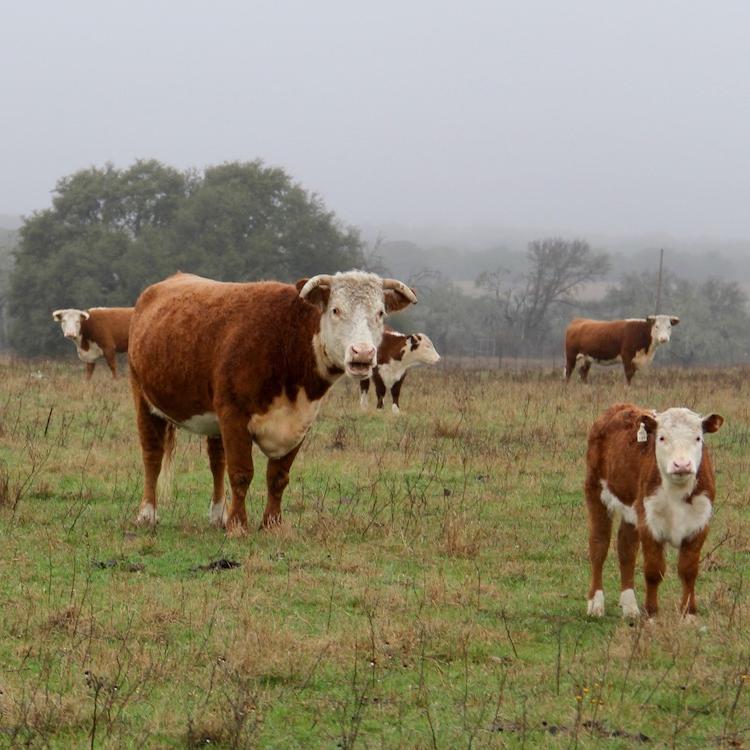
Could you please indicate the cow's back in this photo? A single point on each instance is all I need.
(599, 339)
(191, 337)
(615, 455)
(108, 326)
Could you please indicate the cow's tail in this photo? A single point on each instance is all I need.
(166, 477)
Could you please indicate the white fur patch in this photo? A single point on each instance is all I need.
(285, 424)
(395, 409)
(643, 358)
(363, 401)
(614, 505)
(671, 519)
(391, 372)
(629, 604)
(596, 605)
(91, 354)
(217, 514)
(147, 515)
(202, 424)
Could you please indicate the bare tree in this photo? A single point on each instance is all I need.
(557, 269)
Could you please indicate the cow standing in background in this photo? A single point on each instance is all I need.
(96, 332)
(632, 342)
(396, 354)
(248, 363)
(655, 472)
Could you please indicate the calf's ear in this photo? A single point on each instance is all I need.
(674, 320)
(57, 315)
(649, 423)
(712, 422)
(651, 318)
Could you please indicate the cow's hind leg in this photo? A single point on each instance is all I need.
(111, 358)
(600, 533)
(627, 551)
(89, 369)
(277, 478)
(570, 364)
(687, 569)
(395, 393)
(152, 432)
(379, 388)
(238, 446)
(584, 369)
(217, 462)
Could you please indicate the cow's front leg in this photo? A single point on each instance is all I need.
(238, 445)
(89, 369)
(687, 568)
(277, 478)
(654, 568)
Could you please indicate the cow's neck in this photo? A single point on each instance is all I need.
(325, 373)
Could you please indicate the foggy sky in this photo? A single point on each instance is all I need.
(593, 116)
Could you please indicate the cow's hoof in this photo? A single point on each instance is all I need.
(596, 605)
(629, 605)
(217, 515)
(270, 523)
(395, 409)
(147, 516)
(236, 529)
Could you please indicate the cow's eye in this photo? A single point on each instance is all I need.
(698, 439)
(335, 312)
(662, 439)
(381, 314)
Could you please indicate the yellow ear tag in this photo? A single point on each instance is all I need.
(641, 435)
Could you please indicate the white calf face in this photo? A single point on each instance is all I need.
(354, 305)
(661, 330)
(420, 350)
(70, 321)
(679, 442)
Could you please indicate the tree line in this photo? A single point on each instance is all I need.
(111, 232)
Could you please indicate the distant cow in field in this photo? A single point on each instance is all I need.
(396, 354)
(248, 363)
(654, 470)
(606, 342)
(96, 332)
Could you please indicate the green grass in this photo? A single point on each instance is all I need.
(427, 588)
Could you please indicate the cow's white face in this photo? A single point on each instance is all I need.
(679, 442)
(420, 350)
(70, 320)
(353, 306)
(661, 329)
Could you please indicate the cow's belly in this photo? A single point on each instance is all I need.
(284, 426)
(609, 362)
(199, 424)
(91, 354)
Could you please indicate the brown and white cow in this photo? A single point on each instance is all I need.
(96, 332)
(632, 342)
(248, 363)
(397, 353)
(654, 470)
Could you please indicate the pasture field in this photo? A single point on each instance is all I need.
(427, 588)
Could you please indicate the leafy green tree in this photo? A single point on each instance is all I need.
(110, 233)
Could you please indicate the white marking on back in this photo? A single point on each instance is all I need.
(629, 604)
(91, 354)
(671, 519)
(285, 424)
(614, 505)
(596, 605)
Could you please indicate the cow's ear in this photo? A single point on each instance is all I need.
(85, 315)
(396, 300)
(712, 422)
(57, 315)
(674, 320)
(651, 318)
(649, 423)
(316, 295)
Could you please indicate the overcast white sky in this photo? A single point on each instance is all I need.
(600, 116)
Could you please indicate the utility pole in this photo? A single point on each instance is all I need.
(658, 283)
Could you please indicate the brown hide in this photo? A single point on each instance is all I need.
(631, 472)
(606, 340)
(201, 346)
(392, 347)
(107, 327)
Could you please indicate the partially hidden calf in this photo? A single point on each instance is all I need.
(654, 470)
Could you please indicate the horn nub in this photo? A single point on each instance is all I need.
(399, 286)
(321, 279)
